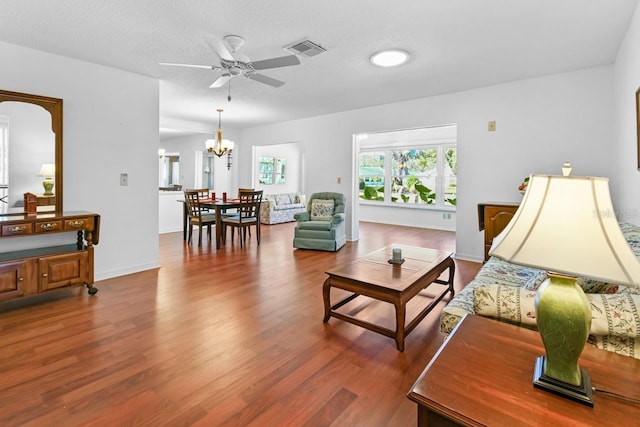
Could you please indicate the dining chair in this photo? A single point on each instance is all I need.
(233, 212)
(203, 194)
(248, 215)
(198, 216)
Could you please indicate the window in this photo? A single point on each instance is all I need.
(416, 167)
(272, 170)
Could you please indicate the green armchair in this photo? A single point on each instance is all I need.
(321, 226)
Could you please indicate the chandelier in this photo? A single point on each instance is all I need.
(220, 146)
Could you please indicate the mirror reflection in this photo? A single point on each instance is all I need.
(27, 156)
(169, 167)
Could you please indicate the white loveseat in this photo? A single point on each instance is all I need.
(278, 208)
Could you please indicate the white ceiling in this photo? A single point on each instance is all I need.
(454, 45)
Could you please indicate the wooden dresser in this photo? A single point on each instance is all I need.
(46, 267)
(493, 217)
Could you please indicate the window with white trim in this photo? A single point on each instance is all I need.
(415, 167)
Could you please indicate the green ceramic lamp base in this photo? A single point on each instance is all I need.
(564, 320)
(48, 187)
(582, 393)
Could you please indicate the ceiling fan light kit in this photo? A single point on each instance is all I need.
(234, 42)
(234, 67)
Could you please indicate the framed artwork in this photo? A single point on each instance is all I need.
(638, 125)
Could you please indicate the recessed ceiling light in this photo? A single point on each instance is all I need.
(389, 58)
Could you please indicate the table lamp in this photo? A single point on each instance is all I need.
(48, 171)
(566, 225)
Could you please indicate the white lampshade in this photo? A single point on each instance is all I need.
(566, 224)
(210, 144)
(47, 170)
(227, 144)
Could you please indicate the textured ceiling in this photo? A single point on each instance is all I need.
(454, 45)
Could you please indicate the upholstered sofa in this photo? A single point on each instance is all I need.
(506, 292)
(322, 224)
(278, 208)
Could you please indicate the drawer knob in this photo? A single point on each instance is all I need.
(44, 274)
(76, 223)
(20, 279)
(17, 229)
(48, 226)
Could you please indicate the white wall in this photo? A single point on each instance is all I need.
(625, 175)
(540, 124)
(110, 127)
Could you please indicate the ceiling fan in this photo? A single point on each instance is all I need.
(234, 67)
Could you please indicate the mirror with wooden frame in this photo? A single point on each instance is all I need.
(30, 152)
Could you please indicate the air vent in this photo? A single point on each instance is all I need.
(305, 48)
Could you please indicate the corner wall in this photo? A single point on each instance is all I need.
(625, 175)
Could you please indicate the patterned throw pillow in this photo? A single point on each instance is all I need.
(506, 303)
(283, 199)
(321, 210)
(615, 315)
(611, 315)
(497, 271)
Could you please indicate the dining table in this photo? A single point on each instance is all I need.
(220, 206)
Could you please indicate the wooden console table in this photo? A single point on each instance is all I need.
(483, 376)
(33, 271)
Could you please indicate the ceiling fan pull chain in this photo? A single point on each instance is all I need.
(229, 96)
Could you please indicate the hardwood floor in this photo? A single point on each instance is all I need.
(227, 338)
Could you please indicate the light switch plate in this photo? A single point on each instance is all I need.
(124, 179)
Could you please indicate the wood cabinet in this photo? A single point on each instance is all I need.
(493, 217)
(40, 269)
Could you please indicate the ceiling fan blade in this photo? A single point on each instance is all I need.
(264, 79)
(207, 67)
(220, 81)
(282, 61)
(219, 48)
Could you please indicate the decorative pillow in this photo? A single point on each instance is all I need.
(615, 315)
(321, 210)
(283, 199)
(301, 198)
(625, 346)
(611, 315)
(592, 286)
(507, 303)
(496, 271)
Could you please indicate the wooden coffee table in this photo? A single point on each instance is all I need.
(374, 277)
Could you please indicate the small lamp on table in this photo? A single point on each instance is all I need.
(566, 225)
(48, 171)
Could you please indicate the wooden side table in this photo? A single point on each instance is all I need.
(493, 217)
(483, 376)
